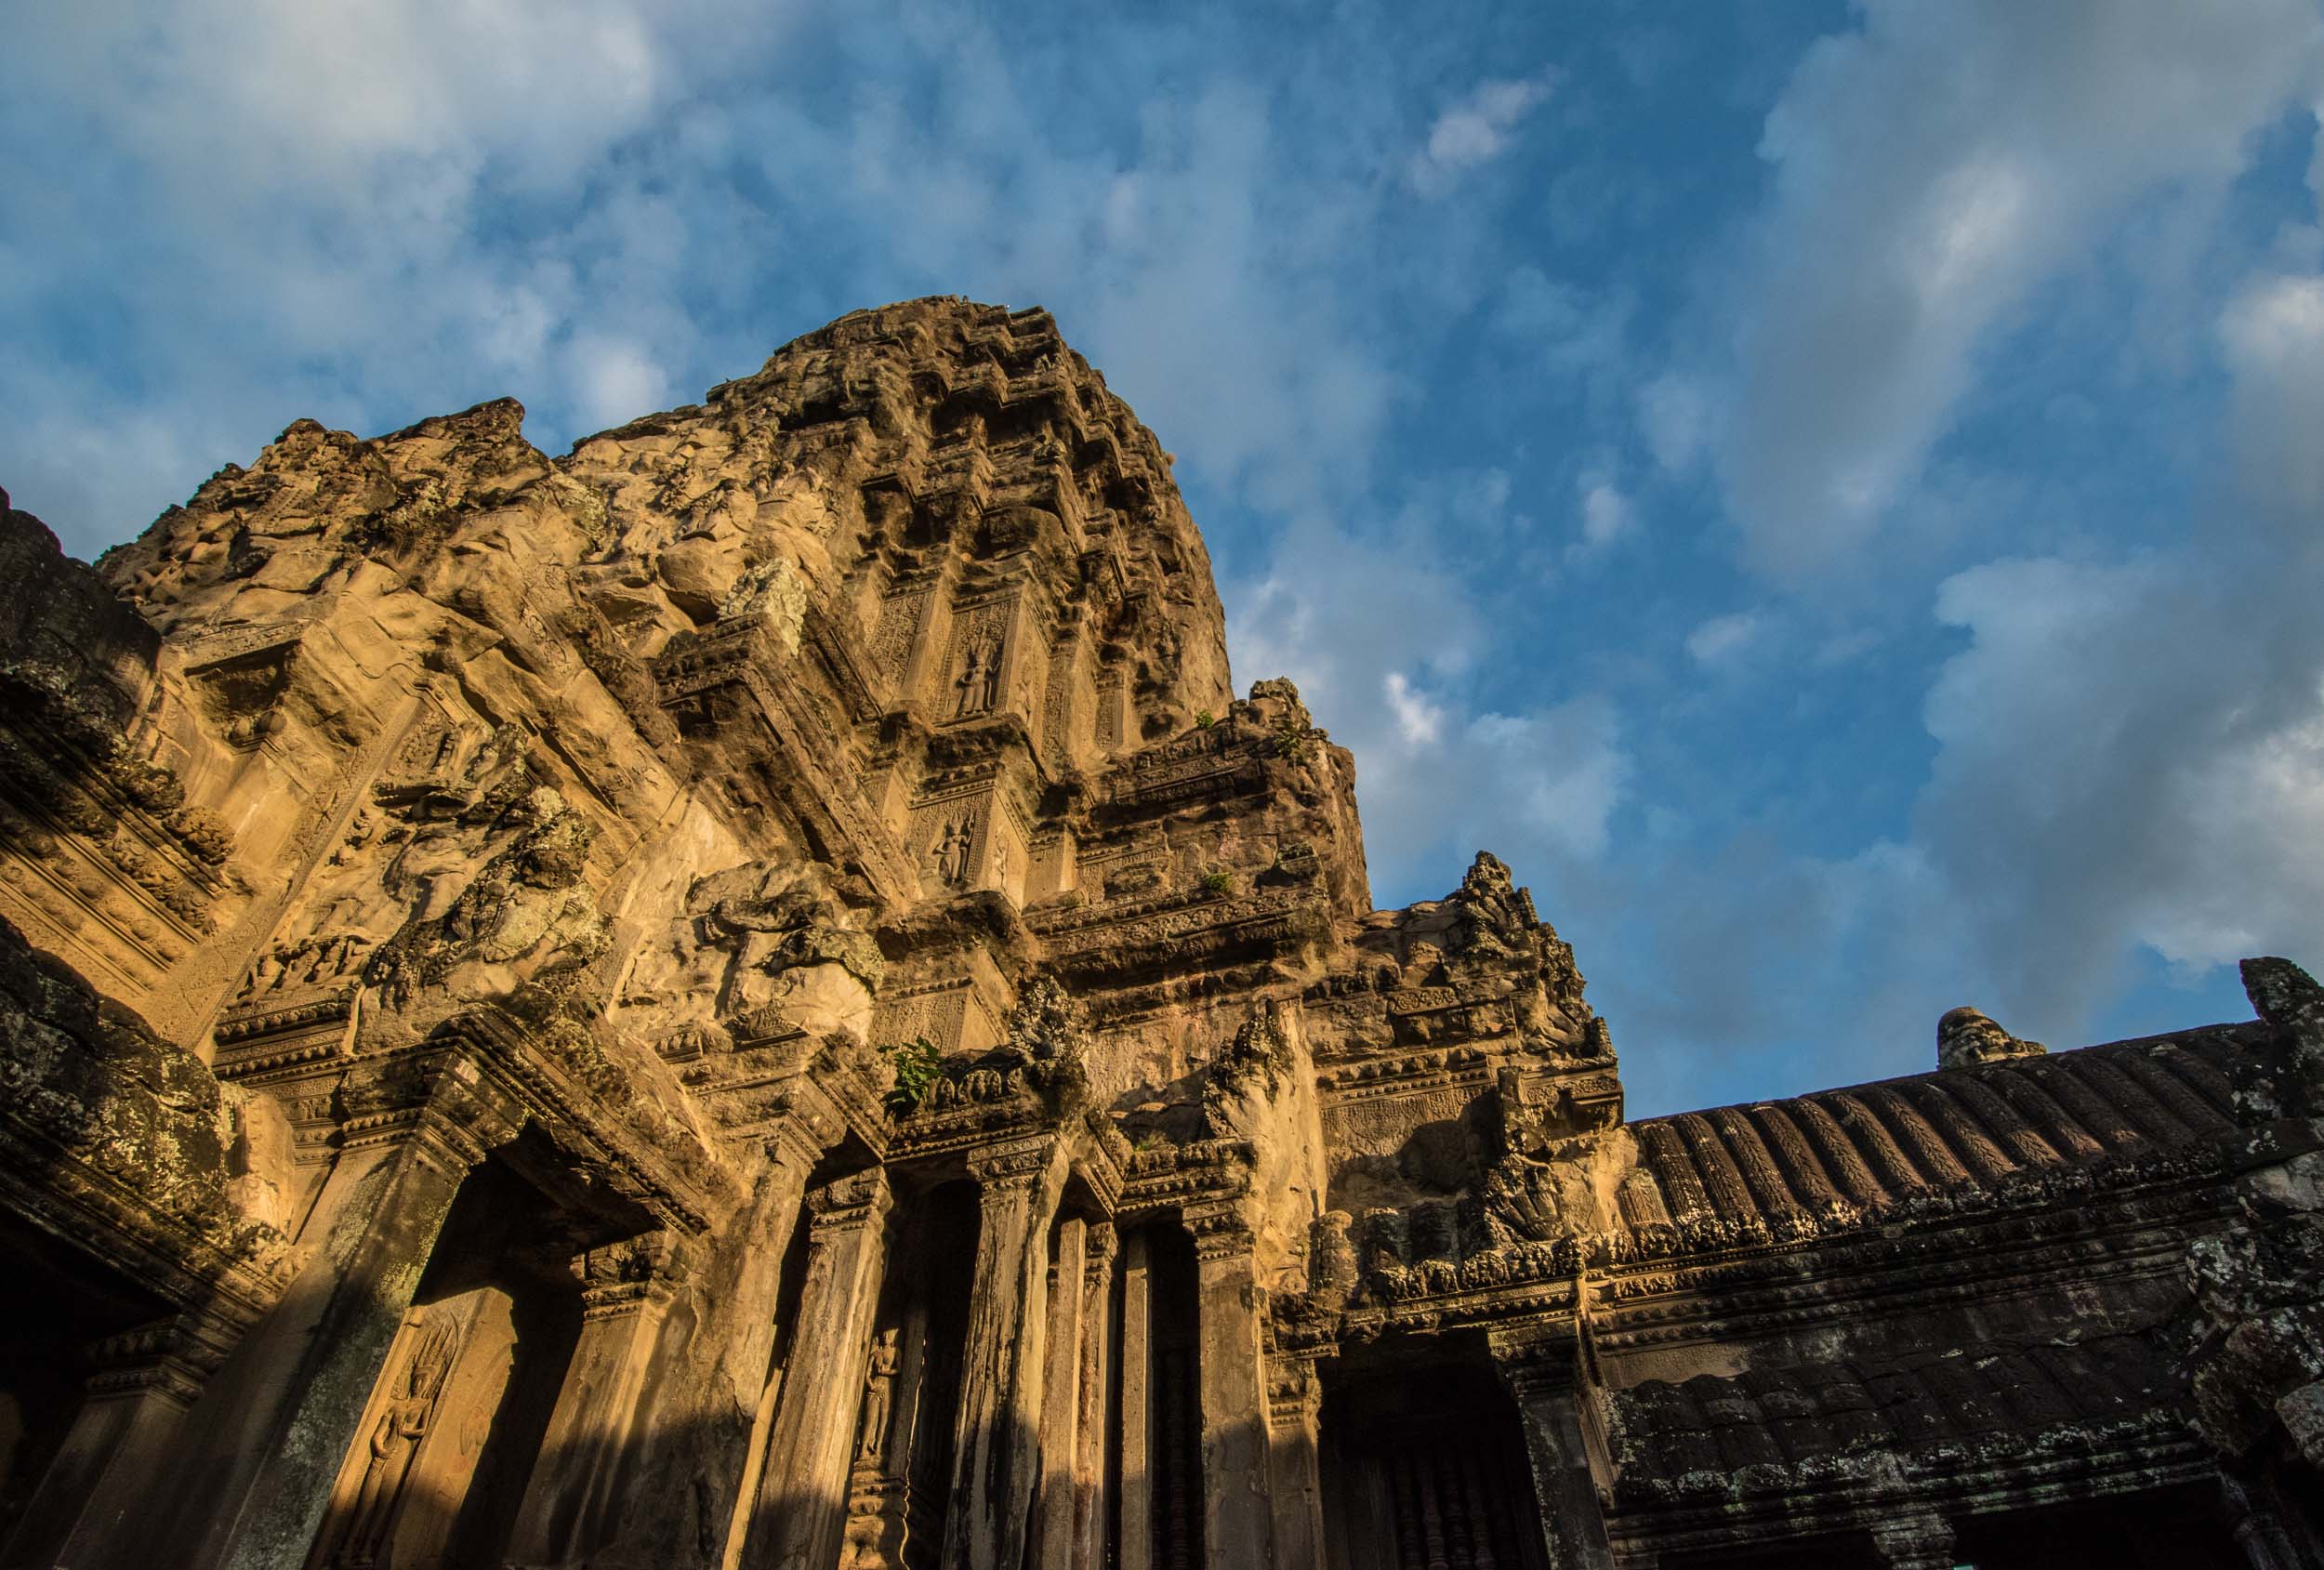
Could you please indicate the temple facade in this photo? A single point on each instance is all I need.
(751, 997)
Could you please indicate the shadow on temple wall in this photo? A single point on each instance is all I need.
(115, 1166)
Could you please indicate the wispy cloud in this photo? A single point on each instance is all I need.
(1929, 172)
(1723, 639)
(1475, 131)
(1606, 515)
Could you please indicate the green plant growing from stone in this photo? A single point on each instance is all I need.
(1218, 882)
(1291, 742)
(1204, 720)
(917, 1065)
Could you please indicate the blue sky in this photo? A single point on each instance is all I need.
(1829, 493)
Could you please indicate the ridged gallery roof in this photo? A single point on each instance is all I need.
(1957, 1134)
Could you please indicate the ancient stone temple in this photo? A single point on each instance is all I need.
(752, 996)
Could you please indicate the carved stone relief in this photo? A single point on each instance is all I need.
(363, 1520)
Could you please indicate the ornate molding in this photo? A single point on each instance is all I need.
(1295, 1395)
(1016, 1165)
(635, 1273)
(1221, 1229)
(850, 1204)
(170, 1358)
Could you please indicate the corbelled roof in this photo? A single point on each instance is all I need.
(1781, 1428)
(1964, 1136)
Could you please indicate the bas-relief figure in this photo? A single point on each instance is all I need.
(405, 1418)
(878, 1395)
(955, 843)
(557, 858)
(978, 682)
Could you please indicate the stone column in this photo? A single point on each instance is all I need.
(1061, 1398)
(1914, 1539)
(1237, 1516)
(570, 1507)
(744, 1378)
(145, 1382)
(880, 1503)
(1137, 1513)
(1573, 1526)
(802, 1501)
(1295, 1480)
(1003, 1357)
(1097, 1314)
(2259, 1531)
(304, 1377)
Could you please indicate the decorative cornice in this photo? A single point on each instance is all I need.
(677, 1178)
(1101, 1245)
(1295, 1396)
(249, 1021)
(850, 1204)
(1221, 1229)
(230, 1273)
(170, 1358)
(1018, 1165)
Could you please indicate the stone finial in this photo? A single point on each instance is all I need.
(1280, 701)
(1966, 1037)
(1047, 1026)
(2281, 993)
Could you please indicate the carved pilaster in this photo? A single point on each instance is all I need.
(145, 1380)
(1220, 1230)
(801, 1503)
(633, 1278)
(879, 1504)
(1239, 1524)
(743, 1360)
(1099, 1248)
(1541, 1375)
(1137, 1404)
(419, 1123)
(1004, 1356)
(169, 1359)
(2259, 1531)
(1062, 1403)
(1294, 1402)
(570, 1502)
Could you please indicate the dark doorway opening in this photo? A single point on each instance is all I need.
(1424, 1464)
(55, 1302)
(2167, 1529)
(1175, 1401)
(438, 1468)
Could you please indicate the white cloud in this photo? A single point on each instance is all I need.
(2118, 767)
(1418, 721)
(1676, 414)
(2273, 333)
(1723, 639)
(613, 379)
(1929, 171)
(1375, 631)
(2128, 762)
(384, 213)
(1473, 131)
(1606, 515)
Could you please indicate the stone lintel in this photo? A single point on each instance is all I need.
(170, 1359)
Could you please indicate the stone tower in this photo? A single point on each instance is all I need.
(752, 996)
